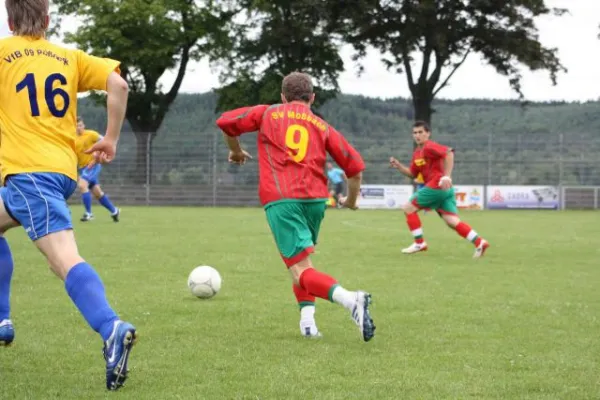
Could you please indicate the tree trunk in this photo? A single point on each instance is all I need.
(142, 173)
(423, 110)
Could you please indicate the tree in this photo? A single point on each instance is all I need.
(272, 39)
(149, 37)
(444, 33)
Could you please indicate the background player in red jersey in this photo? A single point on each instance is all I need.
(292, 146)
(435, 163)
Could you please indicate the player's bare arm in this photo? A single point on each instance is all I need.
(353, 191)
(446, 180)
(116, 105)
(404, 170)
(237, 155)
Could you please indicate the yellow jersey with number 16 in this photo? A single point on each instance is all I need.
(39, 82)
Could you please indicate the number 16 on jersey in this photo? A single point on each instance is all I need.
(50, 94)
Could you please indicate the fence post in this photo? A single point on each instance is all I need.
(214, 169)
(560, 159)
(489, 159)
(148, 165)
(520, 158)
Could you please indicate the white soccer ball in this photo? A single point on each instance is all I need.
(204, 282)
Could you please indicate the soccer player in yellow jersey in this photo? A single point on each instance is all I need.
(39, 82)
(89, 174)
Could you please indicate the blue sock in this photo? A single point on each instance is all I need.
(6, 271)
(104, 200)
(87, 292)
(87, 202)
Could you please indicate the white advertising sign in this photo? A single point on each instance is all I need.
(507, 197)
(469, 197)
(384, 196)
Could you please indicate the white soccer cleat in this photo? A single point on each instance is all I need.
(480, 250)
(362, 316)
(310, 331)
(415, 248)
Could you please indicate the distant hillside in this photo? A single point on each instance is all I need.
(353, 114)
(380, 128)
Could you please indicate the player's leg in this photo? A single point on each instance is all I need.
(7, 332)
(86, 198)
(326, 287)
(314, 214)
(305, 300)
(419, 187)
(339, 193)
(43, 211)
(294, 240)
(449, 212)
(421, 199)
(306, 303)
(86, 290)
(105, 201)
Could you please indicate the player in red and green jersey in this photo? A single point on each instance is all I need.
(435, 163)
(293, 145)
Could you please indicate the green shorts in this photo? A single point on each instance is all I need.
(440, 200)
(295, 226)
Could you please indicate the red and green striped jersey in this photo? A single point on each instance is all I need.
(428, 160)
(293, 145)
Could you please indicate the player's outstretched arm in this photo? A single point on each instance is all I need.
(241, 120)
(237, 122)
(446, 180)
(404, 170)
(116, 105)
(353, 190)
(104, 151)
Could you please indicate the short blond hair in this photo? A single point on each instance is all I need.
(297, 86)
(28, 17)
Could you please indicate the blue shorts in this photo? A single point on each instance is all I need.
(92, 175)
(38, 201)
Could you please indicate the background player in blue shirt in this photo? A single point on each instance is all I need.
(337, 177)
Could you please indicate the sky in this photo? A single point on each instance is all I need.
(574, 34)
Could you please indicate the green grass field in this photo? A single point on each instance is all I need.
(522, 323)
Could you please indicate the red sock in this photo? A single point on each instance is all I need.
(464, 230)
(414, 224)
(317, 283)
(303, 297)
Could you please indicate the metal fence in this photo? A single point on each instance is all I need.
(191, 168)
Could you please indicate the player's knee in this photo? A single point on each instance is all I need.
(451, 220)
(63, 264)
(297, 269)
(83, 186)
(6, 220)
(61, 251)
(98, 193)
(409, 208)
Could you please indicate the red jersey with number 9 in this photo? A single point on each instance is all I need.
(293, 145)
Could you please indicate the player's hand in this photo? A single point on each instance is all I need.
(445, 182)
(394, 163)
(239, 157)
(103, 151)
